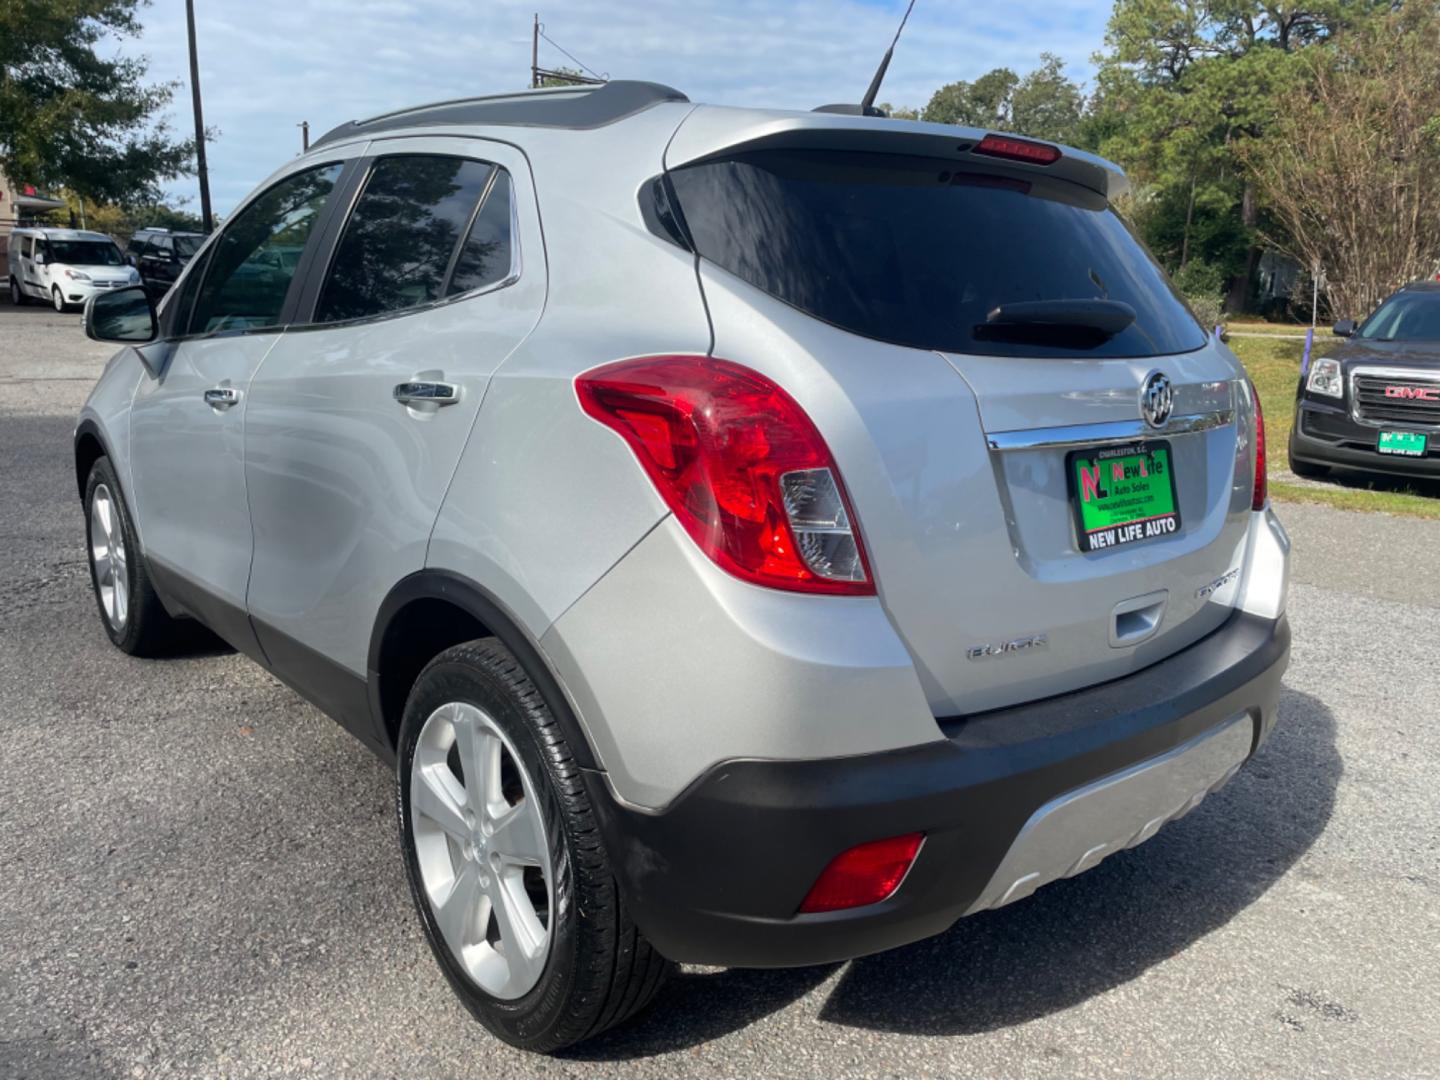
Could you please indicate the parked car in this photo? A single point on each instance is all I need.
(1372, 400)
(64, 266)
(160, 254)
(757, 538)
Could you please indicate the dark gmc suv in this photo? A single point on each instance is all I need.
(1372, 401)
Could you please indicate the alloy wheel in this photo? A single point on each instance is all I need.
(109, 559)
(482, 849)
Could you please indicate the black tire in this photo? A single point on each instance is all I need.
(17, 294)
(148, 629)
(1305, 469)
(600, 970)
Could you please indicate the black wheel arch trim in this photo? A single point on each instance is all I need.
(88, 427)
(484, 607)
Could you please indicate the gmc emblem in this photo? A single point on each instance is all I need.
(1413, 393)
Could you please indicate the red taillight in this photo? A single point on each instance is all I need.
(740, 465)
(1261, 493)
(866, 874)
(1005, 146)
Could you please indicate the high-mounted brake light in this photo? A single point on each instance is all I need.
(741, 466)
(1005, 146)
(865, 874)
(1257, 502)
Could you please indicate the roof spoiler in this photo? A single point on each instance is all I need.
(713, 131)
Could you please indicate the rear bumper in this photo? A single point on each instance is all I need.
(1326, 434)
(1008, 800)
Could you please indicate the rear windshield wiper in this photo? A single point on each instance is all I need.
(1045, 322)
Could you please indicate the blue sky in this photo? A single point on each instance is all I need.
(265, 65)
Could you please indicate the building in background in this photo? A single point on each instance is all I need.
(21, 204)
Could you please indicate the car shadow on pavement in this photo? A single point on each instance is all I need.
(1069, 942)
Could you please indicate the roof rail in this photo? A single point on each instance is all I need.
(560, 107)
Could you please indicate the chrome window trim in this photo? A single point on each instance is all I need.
(1116, 431)
(509, 279)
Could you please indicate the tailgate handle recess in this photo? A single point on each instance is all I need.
(1136, 620)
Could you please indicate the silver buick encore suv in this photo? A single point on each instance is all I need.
(757, 538)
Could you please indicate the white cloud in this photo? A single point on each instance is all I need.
(265, 65)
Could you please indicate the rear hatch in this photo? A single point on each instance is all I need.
(976, 338)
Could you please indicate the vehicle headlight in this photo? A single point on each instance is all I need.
(77, 275)
(1325, 378)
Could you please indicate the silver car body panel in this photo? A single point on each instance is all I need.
(344, 481)
(545, 500)
(673, 666)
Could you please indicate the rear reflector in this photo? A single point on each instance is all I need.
(1257, 502)
(1004, 146)
(866, 874)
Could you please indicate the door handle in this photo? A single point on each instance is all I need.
(427, 393)
(222, 397)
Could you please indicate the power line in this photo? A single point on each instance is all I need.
(537, 72)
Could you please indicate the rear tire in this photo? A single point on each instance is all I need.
(17, 294)
(130, 611)
(584, 966)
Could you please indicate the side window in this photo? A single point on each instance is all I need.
(27, 247)
(255, 258)
(159, 246)
(486, 257)
(178, 302)
(402, 235)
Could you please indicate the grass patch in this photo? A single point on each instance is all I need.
(1274, 368)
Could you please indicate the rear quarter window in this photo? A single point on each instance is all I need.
(913, 251)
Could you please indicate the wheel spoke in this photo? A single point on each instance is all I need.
(437, 796)
(464, 913)
(522, 936)
(518, 838)
(103, 516)
(103, 568)
(122, 600)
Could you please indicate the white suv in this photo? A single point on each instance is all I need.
(758, 538)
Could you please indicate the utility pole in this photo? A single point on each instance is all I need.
(535, 54)
(208, 221)
(304, 127)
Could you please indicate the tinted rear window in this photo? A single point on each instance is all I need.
(910, 251)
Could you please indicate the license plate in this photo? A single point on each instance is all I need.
(1122, 494)
(1404, 443)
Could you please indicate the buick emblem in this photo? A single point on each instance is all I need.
(1157, 398)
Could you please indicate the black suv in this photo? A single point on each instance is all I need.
(160, 255)
(1372, 401)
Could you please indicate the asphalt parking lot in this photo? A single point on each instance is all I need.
(199, 874)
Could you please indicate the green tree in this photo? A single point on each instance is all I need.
(1047, 105)
(984, 103)
(1183, 87)
(1044, 104)
(1349, 168)
(73, 118)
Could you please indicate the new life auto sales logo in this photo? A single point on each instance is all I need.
(1414, 393)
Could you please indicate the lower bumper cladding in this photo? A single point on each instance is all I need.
(1327, 435)
(1008, 801)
